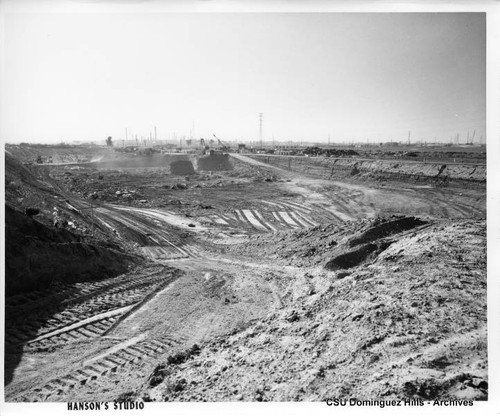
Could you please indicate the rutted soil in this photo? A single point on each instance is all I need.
(256, 283)
(408, 323)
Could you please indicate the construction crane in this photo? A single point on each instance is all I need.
(223, 147)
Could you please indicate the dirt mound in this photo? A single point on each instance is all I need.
(373, 241)
(215, 163)
(182, 167)
(383, 228)
(331, 244)
(355, 257)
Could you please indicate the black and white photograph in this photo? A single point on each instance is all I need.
(206, 203)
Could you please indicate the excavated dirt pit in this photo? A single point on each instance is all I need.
(256, 283)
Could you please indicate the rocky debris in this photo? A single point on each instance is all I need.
(318, 151)
(158, 375)
(205, 206)
(292, 316)
(161, 371)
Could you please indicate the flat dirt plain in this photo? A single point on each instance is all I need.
(280, 279)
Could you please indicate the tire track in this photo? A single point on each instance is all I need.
(219, 220)
(463, 210)
(253, 220)
(129, 290)
(342, 205)
(266, 223)
(48, 321)
(297, 207)
(130, 355)
(169, 243)
(286, 217)
(326, 217)
(76, 332)
(299, 220)
(284, 225)
(307, 220)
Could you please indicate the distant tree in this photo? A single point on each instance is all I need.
(109, 141)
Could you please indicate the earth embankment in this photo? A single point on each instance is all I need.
(337, 168)
(37, 256)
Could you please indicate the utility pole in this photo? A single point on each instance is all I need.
(155, 134)
(260, 129)
(409, 134)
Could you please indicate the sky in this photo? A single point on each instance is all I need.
(347, 76)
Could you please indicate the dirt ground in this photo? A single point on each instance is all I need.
(255, 283)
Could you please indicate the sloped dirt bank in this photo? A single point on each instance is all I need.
(56, 153)
(215, 163)
(335, 168)
(36, 255)
(182, 167)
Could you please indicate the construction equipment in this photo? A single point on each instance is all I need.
(223, 146)
(204, 147)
